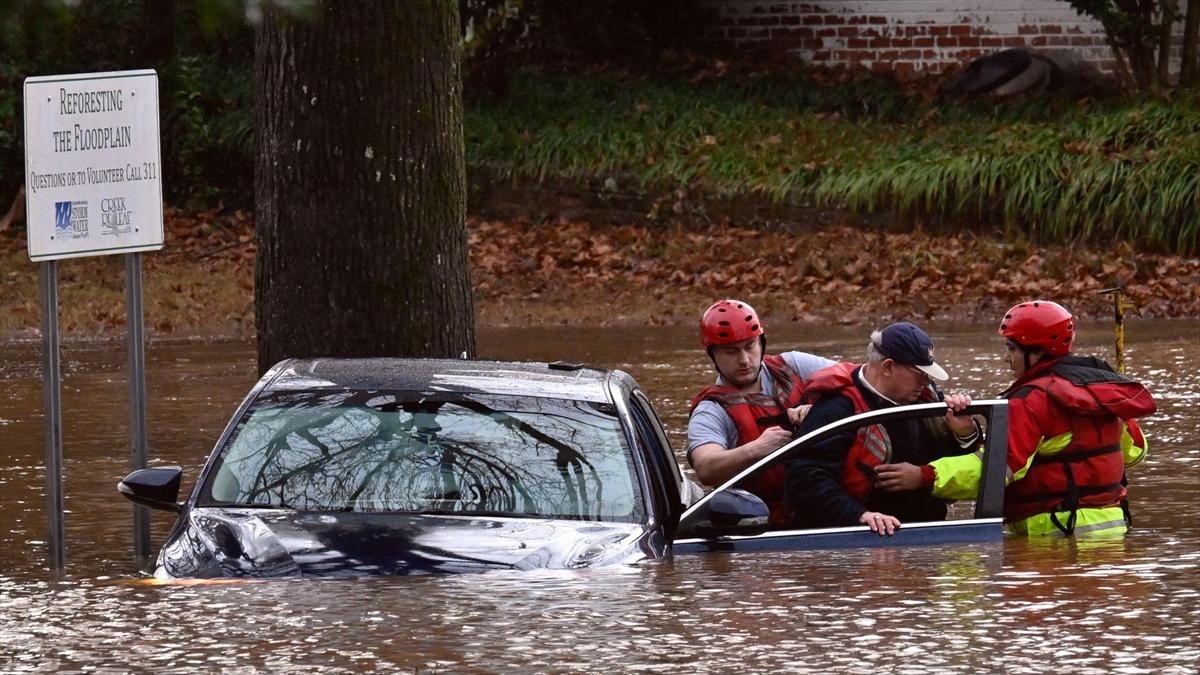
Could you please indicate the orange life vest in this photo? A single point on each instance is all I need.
(871, 447)
(1094, 404)
(752, 414)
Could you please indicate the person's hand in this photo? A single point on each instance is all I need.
(880, 523)
(796, 415)
(962, 425)
(772, 439)
(898, 477)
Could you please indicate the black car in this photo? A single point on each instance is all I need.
(337, 467)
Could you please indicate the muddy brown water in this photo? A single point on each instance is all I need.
(1016, 606)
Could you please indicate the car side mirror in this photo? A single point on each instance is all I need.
(728, 512)
(157, 488)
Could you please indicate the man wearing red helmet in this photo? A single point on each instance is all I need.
(1071, 434)
(751, 410)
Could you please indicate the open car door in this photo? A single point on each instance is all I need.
(730, 519)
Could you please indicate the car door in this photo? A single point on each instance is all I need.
(697, 533)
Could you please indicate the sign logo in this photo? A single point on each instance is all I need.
(114, 217)
(71, 220)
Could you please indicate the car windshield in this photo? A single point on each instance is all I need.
(427, 453)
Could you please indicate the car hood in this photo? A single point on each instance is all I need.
(230, 542)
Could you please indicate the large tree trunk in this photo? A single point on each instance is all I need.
(360, 183)
(1189, 69)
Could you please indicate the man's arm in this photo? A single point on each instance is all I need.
(958, 476)
(712, 452)
(813, 479)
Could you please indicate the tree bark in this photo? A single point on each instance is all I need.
(360, 183)
(1189, 68)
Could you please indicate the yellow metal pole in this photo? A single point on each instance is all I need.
(1119, 307)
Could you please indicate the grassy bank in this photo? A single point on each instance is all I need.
(1053, 171)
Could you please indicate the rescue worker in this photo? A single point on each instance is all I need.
(754, 405)
(1071, 435)
(833, 482)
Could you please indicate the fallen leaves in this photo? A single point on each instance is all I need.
(839, 274)
(579, 273)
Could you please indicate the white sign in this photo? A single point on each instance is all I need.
(93, 169)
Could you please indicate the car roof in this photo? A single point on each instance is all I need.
(547, 380)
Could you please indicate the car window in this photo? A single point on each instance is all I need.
(428, 453)
(662, 462)
(916, 435)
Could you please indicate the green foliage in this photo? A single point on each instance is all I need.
(1048, 169)
(205, 81)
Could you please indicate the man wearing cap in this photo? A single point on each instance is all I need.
(752, 408)
(833, 483)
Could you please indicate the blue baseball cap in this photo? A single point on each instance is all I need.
(905, 343)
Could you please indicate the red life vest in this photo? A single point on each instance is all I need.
(752, 414)
(1091, 402)
(871, 446)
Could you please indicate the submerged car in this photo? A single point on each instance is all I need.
(336, 467)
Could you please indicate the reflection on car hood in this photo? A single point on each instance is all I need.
(223, 542)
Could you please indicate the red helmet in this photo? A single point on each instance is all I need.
(1043, 324)
(728, 321)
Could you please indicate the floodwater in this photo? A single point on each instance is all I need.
(1129, 606)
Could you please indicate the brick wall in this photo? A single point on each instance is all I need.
(905, 36)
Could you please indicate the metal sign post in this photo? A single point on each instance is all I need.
(93, 187)
(52, 404)
(137, 399)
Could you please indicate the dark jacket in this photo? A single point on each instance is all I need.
(813, 480)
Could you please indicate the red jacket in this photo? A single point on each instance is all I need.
(753, 413)
(1066, 417)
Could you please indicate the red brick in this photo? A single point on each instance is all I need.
(789, 20)
(880, 43)
(923, 42)
(769, 21)
(848, 31)
(1039, 41)
(970, 41)
(929, 54)
(877, 19)
(827, 33)
(1058, 40)
(812, 20)
(947, 42)
(991, 41)
(857, 19)
(939, 30)
(960, 30)
(857, 43)
(1027, 30)
(834, 20)
(969, 54)
(1048, 29)
(820, 56)
(1014, 42)
(910, 54)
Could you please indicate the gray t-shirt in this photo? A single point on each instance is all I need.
(711, 424)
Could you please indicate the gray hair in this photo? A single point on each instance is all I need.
(873, 353)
